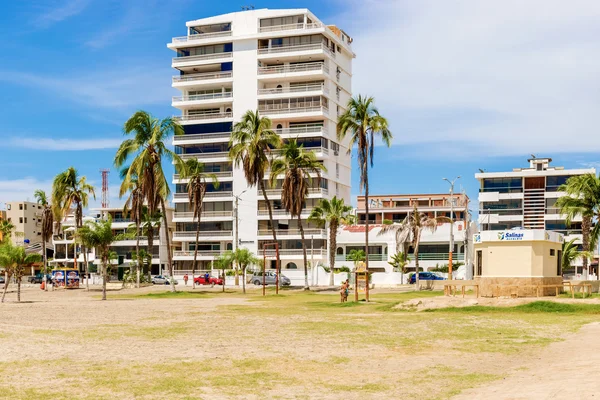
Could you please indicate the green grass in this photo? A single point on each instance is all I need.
(533, 307)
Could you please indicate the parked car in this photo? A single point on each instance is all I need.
(270, 278)
(201, 280)
(39, 278)
(162, 280)
(2, 280)
(425, 276)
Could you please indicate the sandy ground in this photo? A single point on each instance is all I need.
(468, 301)
(254, 355)
(564, 370)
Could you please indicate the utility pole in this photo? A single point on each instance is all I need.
(451, 182)
(237, 219)
(312, 257)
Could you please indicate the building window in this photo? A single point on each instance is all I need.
(552, 252)
(25, 219)
(559, 263)
(291, 265)
(479, 263)
(20, 220)
(20, 206)
(8, 207)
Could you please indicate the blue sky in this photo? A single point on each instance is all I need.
(465, 84)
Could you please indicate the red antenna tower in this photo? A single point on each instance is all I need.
(105, 173)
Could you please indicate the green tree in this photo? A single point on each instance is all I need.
(402, 234)
(364, 124)
(15, 260)
(196, 187)
(99, 235)
(244, 258)
(223, 262)
(47, 229)
(252, 141)
(6, 229)
(570, 253)
(399, 261)
(419, 222)
(333, 212)
(296, 165)
(582, 199)
(71, 191)
(134, 207)
(147, 148)
(357, 256)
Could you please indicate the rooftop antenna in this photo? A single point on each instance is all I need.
(533, 156)
(105, 173)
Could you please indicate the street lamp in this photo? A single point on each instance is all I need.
(237, 202)
(451, 182)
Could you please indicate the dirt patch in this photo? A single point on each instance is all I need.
(423, 304)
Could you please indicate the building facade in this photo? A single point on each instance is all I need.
(293, 69)
(27, 219)
(526, 198)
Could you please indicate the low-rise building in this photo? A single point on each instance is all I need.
(27, 219)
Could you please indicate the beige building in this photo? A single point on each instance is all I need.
(27, 219)
(506, 261)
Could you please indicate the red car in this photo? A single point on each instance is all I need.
(201, 280)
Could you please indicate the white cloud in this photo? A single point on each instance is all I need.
(52, 144)
(21, 189)
(491, 77)
(59, 12)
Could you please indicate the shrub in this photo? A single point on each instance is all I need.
(342, 269)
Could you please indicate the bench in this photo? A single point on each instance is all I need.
(450, 288)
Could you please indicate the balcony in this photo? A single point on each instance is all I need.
(206, 214)
(312, 192)
(279, 212)
(201, 99)
(294, 252)
(309, 87)
(201, 59)
(207, 195)
(282, 233)
(217, 154)
(319, 66)
(316, 150)
(301, 130)
(201, 36)
(225, 174)
(437, 256)
(289, 27)
(193, 139)
(203, 234)
(203, 116)
(372, 257)
(206, 76)
(280, 50)
(189, 254)
(279, 110)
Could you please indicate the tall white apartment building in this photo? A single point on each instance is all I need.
(293, 69)
(526, 197)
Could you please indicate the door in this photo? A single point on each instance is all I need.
(479, 262)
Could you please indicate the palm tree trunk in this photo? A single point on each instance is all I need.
(195, 253)
(45, 265)
(87, 279)
(416, 252)
(303, 251)
(244, 280)
(137, 252)
(585, 227)
(264, 193)
(366, 174)
(150, 234)
(19, 289)
(6, 279)
(332, 246)
(104, 276)
(168, 241)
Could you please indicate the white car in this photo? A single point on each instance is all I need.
(162, 280)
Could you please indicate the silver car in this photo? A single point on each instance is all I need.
(270, 279)
(162, 280)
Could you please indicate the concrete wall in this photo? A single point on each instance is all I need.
(518, 259)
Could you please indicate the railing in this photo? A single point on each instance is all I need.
(299, 47)
(206, 195)
(437, 256)
(202, 57)
(202, 76)
(319, 149)
(291, 232)
(284, 69)
(201, 253)
(122, 220)
(289, 27)
(198, 97)
(194, 117)
(216, 154)
(372, 257)
(205, 214)
(275, 192)
(301, 129)
(185, 138)
(293, 110)
(185, 234)
(199, 36)
(309, 87)
(502, 190)
(553, 210)
(225, 174)
(502, 211)
(293, 252)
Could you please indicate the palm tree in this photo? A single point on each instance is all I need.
(582, 199)
(244, 258)
(333, 212)
(401, 232)
(363, 122)
(6, 228)
(297, 166)
(418, 222)
(47, 228)
(224, 261)
(69, 190)
(148, 147)
(357, 256)
(400, 262)
(134, 206)
(99, 235)
(194, 172)
(15, 261)
(570, 253)
(252, 141)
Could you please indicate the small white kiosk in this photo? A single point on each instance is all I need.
(525, 261)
